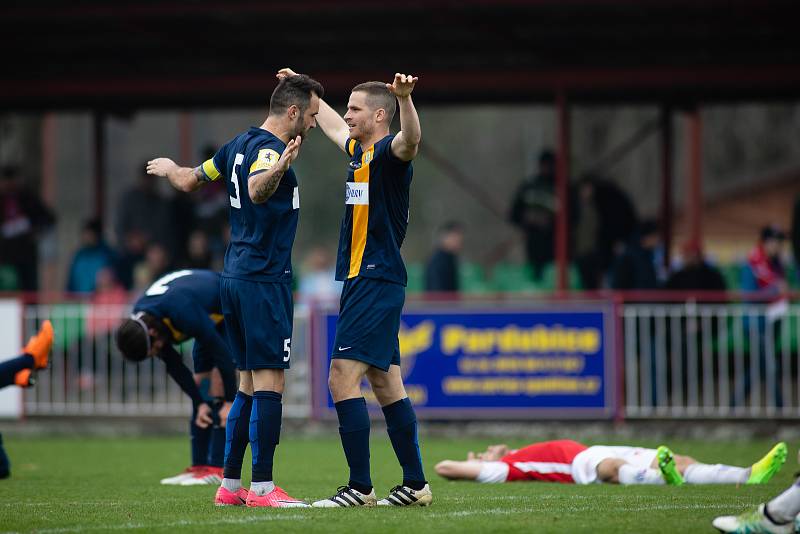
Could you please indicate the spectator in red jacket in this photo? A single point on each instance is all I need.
(765, 261)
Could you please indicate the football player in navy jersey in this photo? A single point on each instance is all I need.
(369, 262)
(256, 279)
(179, 306)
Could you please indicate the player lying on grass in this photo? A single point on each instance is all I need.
(778, 516)
(180, 306)
(570, 462)
(21, 371)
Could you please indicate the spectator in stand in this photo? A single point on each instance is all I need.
(142, 210)
(22, 216)
(441, 273)
(93, 256)
(211, 209)
(766, 271)
(199, 255)
(696, 273)
(604, 217)
(182, 224)
(533, 211)
(318, 279)
(157, 263)
(635, 266)
(131, 255)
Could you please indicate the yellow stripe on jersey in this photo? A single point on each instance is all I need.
(211, 170)
(177, 335)
(350, 146)
(216, 317)
(358, 240)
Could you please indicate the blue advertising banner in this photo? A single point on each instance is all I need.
(554, 362)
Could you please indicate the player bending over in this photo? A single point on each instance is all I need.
(369, 262)
(180, 306)
(256, 287)
(21, 371)
(781, 515)
(570, 462)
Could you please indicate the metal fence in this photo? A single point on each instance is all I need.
(680, 360)
(89, 376)
(711, 360)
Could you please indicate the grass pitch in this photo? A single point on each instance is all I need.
(61, 485)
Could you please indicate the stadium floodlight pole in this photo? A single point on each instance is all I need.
(562, 185)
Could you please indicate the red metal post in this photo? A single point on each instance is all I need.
(666, 182)
(694, 198)
(185, 138)
(99, 132)
(562, 190)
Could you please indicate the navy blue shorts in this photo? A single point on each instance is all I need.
(258, 320)
(202, 355)
(369, 322)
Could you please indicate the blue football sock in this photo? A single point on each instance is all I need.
(216, 449)
(237, 434)
(5, 465)
(9, 368)
(354, 431)
(200, 438)
(401, 424)
(265, 432)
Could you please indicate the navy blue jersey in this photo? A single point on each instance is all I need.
(262, 235)
(376, 213)
(188, 303)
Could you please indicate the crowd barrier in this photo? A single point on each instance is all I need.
(603, 356)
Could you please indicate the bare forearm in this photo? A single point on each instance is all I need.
(332, 124)
(261, 186)
(185, 178)
(409, 121)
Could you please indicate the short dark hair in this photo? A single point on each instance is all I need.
(451, 226)
(133, 340)
(379, 97)
(294, 91)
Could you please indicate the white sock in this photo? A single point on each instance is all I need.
(262, 488)
(232, 484)
(716, 474)
(786, 506)
(632, 475)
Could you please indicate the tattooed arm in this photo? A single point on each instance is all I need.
(181, 178)
(262, 185)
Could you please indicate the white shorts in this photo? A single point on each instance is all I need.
(584, 466)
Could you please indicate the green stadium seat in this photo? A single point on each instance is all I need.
(472, 278)
(8, 278)
(550, 275)
(732, 273)
(416, 277)
(511, 277)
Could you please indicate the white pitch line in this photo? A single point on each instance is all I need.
(313, 516)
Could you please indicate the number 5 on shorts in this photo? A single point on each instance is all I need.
(287, 349)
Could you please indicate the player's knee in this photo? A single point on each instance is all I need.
(342, 377)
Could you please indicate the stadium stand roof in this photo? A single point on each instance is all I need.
(123, 55)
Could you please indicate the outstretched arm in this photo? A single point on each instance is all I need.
(331, 123)
(455, 470)
(406, 143)
(182, 178)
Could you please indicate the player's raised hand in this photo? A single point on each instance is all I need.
(403, 84)
(160, 166)
(285, 72)
(290, 153)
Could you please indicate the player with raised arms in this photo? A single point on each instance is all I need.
(369, 262)
(179, 306)
(256, 280)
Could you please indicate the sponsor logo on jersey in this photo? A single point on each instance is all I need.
(356, 193)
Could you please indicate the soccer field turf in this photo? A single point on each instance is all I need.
(76, 485)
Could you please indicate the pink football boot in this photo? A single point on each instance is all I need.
(225, 497)
(277, 498)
